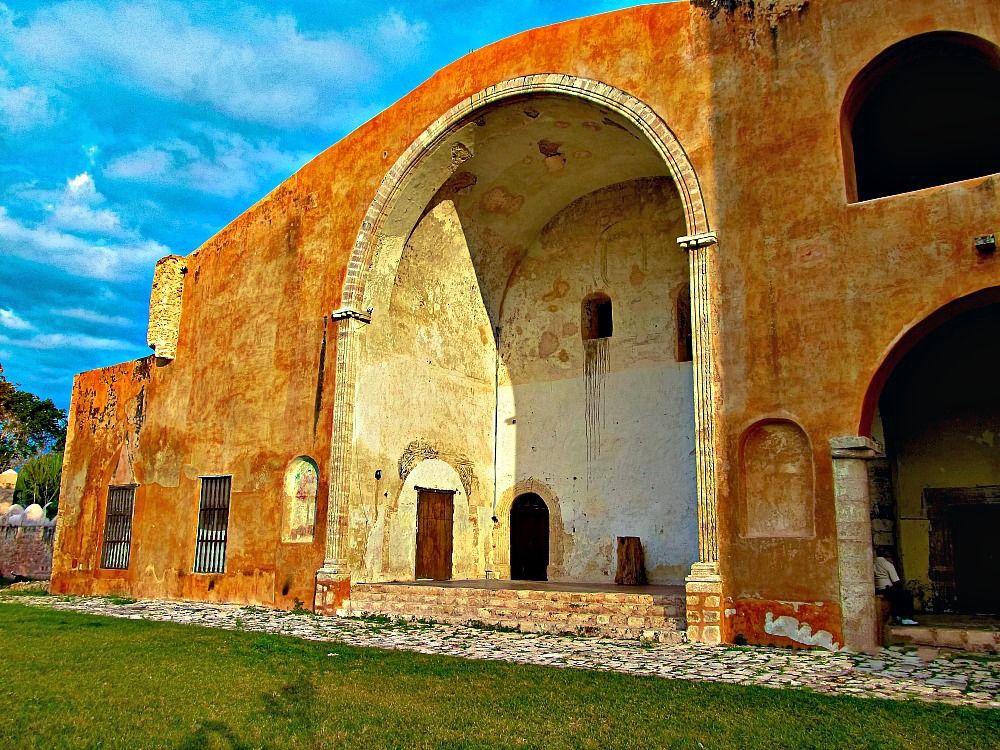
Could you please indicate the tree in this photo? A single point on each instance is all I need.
(29, 426)
(38, 482)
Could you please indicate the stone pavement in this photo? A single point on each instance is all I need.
(893, 673)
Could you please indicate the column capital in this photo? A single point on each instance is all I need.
(695, 241)
(856, 447)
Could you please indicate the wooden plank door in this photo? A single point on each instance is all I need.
(435, 513)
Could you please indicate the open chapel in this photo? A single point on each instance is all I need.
(652, 324)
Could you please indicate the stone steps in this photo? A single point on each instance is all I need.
(623, 616)
(955, 638)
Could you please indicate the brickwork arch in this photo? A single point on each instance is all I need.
(627, 106)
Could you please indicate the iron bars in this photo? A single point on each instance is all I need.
(213, 525)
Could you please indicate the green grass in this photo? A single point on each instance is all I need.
(96, 682)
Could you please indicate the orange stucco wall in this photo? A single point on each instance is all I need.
(814, 290)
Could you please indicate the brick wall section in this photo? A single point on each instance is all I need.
(704, 611)
(26, 551)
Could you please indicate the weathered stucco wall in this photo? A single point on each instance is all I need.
(813, 292)
(425, 406)
(606, 425)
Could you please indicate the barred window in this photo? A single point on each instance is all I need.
(213, 525)
(118, 528)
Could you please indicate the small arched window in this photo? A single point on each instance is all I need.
(925, 112)
(685, 342)
(595, 317)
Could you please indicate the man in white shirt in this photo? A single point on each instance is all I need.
(889, 586)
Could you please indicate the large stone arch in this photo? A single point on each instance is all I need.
(641, 115)
(398, 205)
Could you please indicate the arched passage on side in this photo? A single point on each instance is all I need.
(936, 495)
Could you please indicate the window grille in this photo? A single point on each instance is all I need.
(213, 525)
(117, 544)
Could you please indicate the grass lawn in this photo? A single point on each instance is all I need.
(75, 681)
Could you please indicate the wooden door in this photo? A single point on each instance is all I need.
(435, 512)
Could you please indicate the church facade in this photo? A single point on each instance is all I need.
(723, 280)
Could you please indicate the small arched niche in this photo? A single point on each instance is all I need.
(298, 515)
(925, 112)
(596, 318)
(777, 470)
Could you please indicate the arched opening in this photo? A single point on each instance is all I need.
(596, 321)
(473, 261)
(936, 496)
(925, 112)
(529, 538)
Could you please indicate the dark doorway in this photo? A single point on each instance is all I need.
(939, 412)
(974, 530)
(529, 538)
(435, 513)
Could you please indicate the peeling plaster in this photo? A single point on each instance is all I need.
(789, 627)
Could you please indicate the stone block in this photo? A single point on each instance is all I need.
(711, 634)
(713, 600)
(704, 587)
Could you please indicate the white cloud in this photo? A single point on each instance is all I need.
(258, 67)
(76, 235)
(75, 210)
(66, 341)
(9, 319)
(214, 162)
(90, 316)
(24, 108)
(96, 259)
(397, 34)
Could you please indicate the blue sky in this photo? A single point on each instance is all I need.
(130, 130)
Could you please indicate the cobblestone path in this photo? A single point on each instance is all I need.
(893, 674)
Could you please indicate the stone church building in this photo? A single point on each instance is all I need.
(721, 279)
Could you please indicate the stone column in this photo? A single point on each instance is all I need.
(859, 612)
(333, 580)
(705, 598)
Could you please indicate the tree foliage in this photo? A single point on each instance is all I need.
(38, 482)
(29, 426)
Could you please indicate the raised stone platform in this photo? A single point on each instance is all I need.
(652, 613)
(955, 632)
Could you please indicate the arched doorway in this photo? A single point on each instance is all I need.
(529, 538)
(938, 416)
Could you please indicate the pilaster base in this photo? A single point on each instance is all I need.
(705, 604)
(333, 588)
